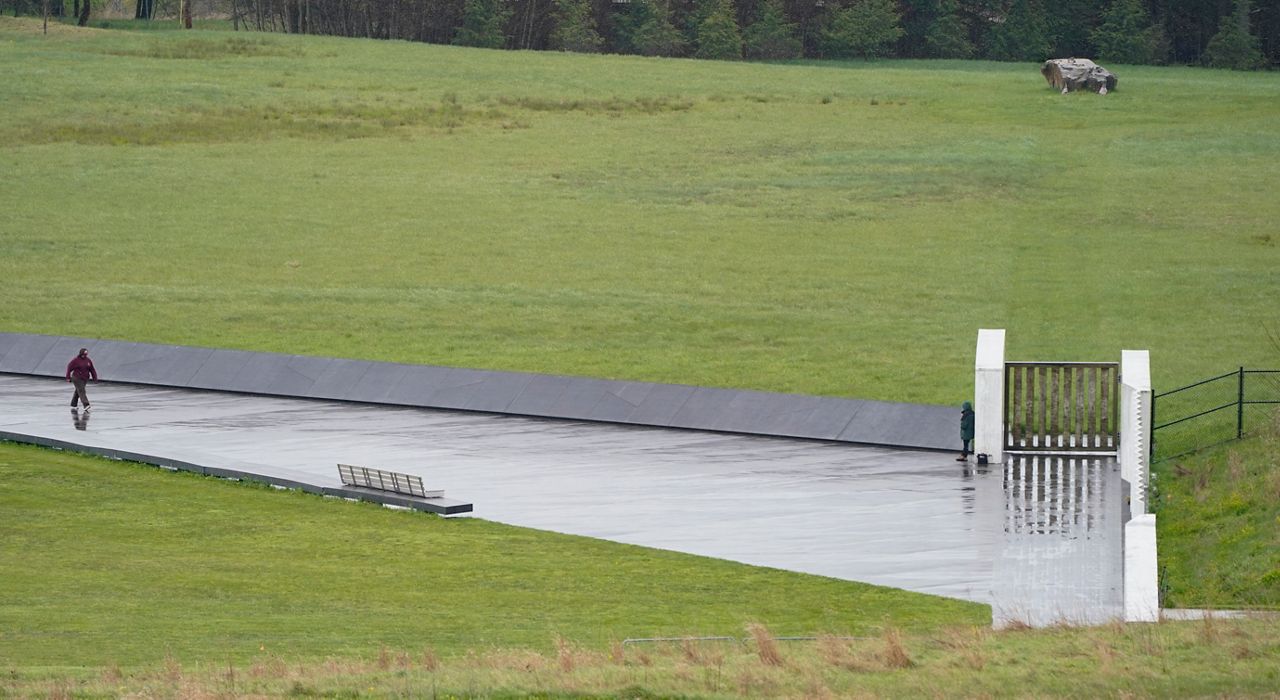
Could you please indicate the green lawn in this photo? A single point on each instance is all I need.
(838, 229)
(1219, 525)
(115, 563)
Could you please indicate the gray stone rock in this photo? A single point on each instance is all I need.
(1071, 74)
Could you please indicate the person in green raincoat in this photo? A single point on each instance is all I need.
(966, 431)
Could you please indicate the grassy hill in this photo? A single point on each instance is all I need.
(838, 228)
(1219, 525)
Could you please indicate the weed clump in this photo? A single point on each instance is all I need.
(895, 654)
(766, 646)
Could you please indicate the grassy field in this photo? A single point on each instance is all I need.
(114, 563)
(838, 229)
(1219, 525)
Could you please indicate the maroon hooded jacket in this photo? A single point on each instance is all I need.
(82, 368)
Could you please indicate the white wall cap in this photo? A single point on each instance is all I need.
(1135, 369)
(990, 348)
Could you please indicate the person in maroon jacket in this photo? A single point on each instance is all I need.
(79, 371)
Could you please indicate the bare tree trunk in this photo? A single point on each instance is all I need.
(185, 6)
(46, 16)
(84, 14)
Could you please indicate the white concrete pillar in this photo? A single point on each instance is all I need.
(1135, 426)
(1141, 573)
(988, 394)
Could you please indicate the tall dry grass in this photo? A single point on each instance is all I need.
(895, 653)
(766, 647)
(1215, 657)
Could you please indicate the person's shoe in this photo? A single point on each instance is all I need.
(962, 458)
(86, 407)
(74, 409)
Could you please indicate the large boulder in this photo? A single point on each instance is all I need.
(1069, 74)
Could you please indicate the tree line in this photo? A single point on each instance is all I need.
(1241, 34)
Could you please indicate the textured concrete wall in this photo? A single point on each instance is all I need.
(547, 396)
(1135, 425)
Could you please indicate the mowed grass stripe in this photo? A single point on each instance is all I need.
(117, 563)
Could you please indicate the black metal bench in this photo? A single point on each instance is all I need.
(394, 488)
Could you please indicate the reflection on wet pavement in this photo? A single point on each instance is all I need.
(1061, 558)
(913, 520)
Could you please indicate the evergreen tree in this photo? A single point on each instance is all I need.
(770, 36)
(648, 30)
(1127, 35)
(718, 34)
(1234, 46)
(575, 27)
(866, 28)
(483, 24)
(948, 35)
(1070, 24)
(693, 19)
(1023, 35)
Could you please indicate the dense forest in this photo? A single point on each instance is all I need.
(1240, 34)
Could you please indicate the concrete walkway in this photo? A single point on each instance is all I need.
(908, 519)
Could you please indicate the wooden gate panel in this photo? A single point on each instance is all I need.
(1061, 406)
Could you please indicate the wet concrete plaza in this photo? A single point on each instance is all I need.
(1038, 543)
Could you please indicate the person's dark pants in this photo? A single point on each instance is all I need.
(966, 446)
(79, 393)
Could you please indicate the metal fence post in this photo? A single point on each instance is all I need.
(1240, 407)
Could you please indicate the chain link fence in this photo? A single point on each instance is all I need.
(1214, 411)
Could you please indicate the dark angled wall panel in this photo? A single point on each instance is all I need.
(7, 340)
(547, 396)
(26, 354)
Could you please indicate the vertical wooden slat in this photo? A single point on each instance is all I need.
(1042, 384)
(1065, 408)
(1079, 407)
(1007, 436)
(1092, 396)
(1104, 394)
(1068, 407)
(1101, 440)
(1014, 416)
(1055, 376)
(1015, 389)
(1029, 406)
(1115, 406)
